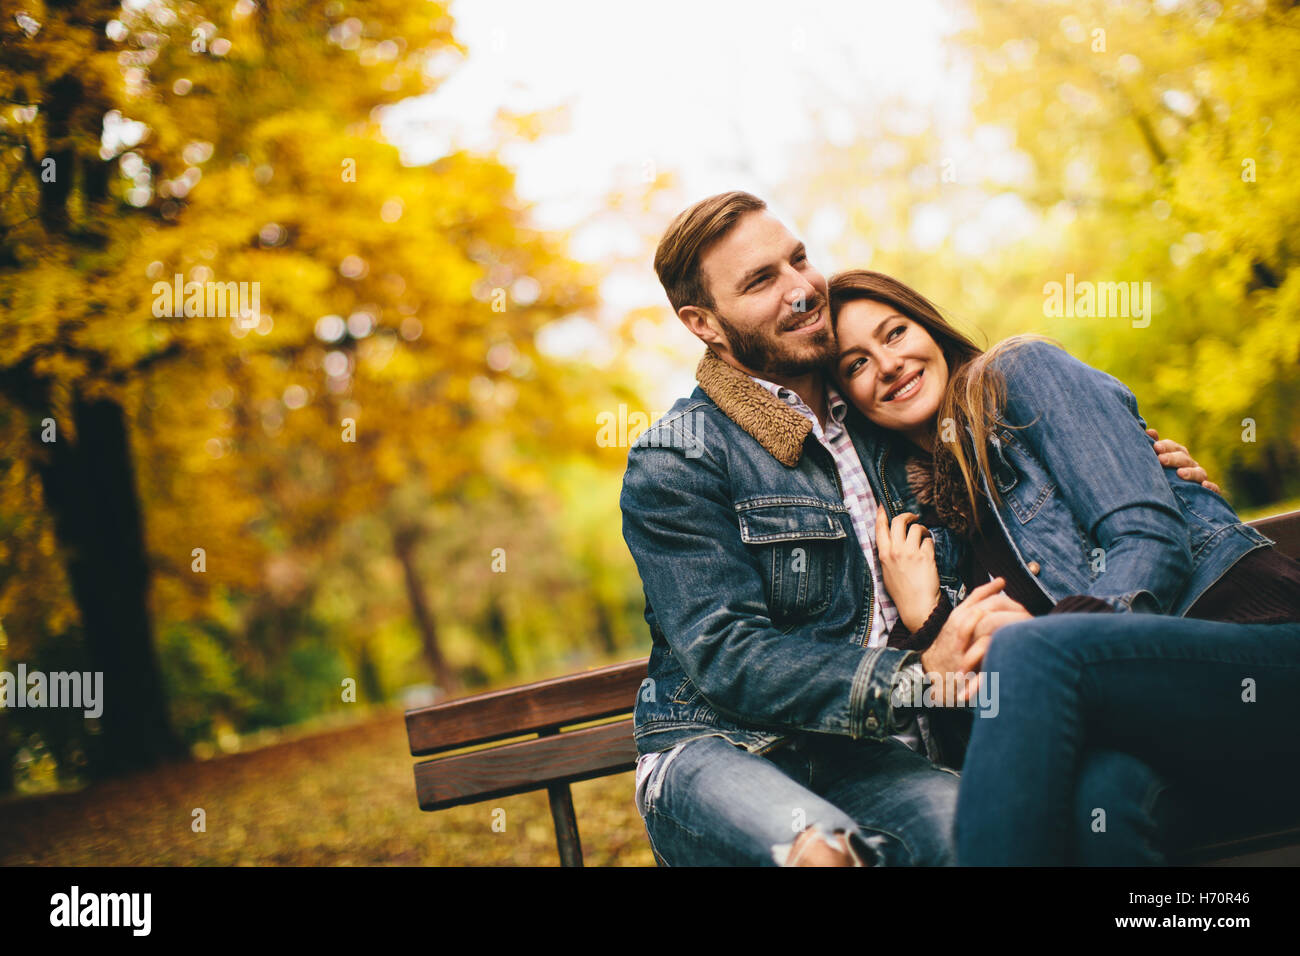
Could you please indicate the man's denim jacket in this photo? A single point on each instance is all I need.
(758, 595)
(1083, 499)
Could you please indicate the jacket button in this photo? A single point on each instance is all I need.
(872, 723)
(1034, 567)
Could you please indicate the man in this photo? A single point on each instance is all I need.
(766, 724)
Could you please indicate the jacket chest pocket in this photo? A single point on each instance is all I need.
(1021, 480)
(798, 548)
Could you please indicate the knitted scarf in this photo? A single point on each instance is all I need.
(939, 490)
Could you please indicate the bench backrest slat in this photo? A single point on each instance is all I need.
(605, 692)
(1284, 530)
(526, 765)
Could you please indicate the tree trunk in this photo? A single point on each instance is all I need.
(7, 753)
(372, 689)
(90, 490)
(64, 96)
(404, 540)
(604, 625)
(498, 630)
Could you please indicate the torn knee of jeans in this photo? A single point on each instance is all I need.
(852, 846)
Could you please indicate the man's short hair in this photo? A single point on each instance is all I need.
(677, 260)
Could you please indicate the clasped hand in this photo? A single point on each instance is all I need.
(953, 660)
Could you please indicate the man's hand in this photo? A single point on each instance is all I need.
(1174, 455)
(959, 649)
(907, 565)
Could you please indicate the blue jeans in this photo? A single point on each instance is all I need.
(1120, 736)
(716, 804)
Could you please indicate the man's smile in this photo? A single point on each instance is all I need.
(811, 322)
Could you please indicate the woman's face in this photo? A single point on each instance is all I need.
(890, 368)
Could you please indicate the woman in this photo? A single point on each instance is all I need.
(1168, 642)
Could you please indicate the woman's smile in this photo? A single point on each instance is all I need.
(909, 386)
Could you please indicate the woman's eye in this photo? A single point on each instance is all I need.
(853, 367)
(894, 332)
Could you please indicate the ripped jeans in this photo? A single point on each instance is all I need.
(712, 803)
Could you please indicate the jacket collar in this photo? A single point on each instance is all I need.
(772, 423)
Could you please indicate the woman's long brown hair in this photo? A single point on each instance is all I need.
(976, 390)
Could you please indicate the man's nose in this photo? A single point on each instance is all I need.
(802, 298)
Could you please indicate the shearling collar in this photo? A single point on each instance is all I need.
(773, 424)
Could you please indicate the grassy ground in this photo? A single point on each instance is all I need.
(340, 798)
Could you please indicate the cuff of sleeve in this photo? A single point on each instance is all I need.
(924, 635)
(909, 690)
(871, 710)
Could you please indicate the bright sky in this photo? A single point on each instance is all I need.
(718, 93)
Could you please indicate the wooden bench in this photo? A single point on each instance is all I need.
(563, 753)
(551, 761)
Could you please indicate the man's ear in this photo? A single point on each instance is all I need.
(703, 325)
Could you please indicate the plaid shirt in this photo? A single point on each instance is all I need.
(858, 497)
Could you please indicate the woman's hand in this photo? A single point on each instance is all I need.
(907, 565)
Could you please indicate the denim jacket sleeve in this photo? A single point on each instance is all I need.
(707, 595)
(1083, 427)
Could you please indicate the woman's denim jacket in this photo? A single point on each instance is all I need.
(758, 595)
(1084, 501)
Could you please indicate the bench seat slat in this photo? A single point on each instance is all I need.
(1285, 839)
(526, 765)
(605, 692)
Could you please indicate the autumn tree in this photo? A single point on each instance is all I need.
(164, 451)
(1158, 153)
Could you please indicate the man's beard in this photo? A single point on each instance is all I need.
(768, 354)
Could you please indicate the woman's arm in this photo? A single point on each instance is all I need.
(1083, 427)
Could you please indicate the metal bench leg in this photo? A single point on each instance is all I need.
(566, 825)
